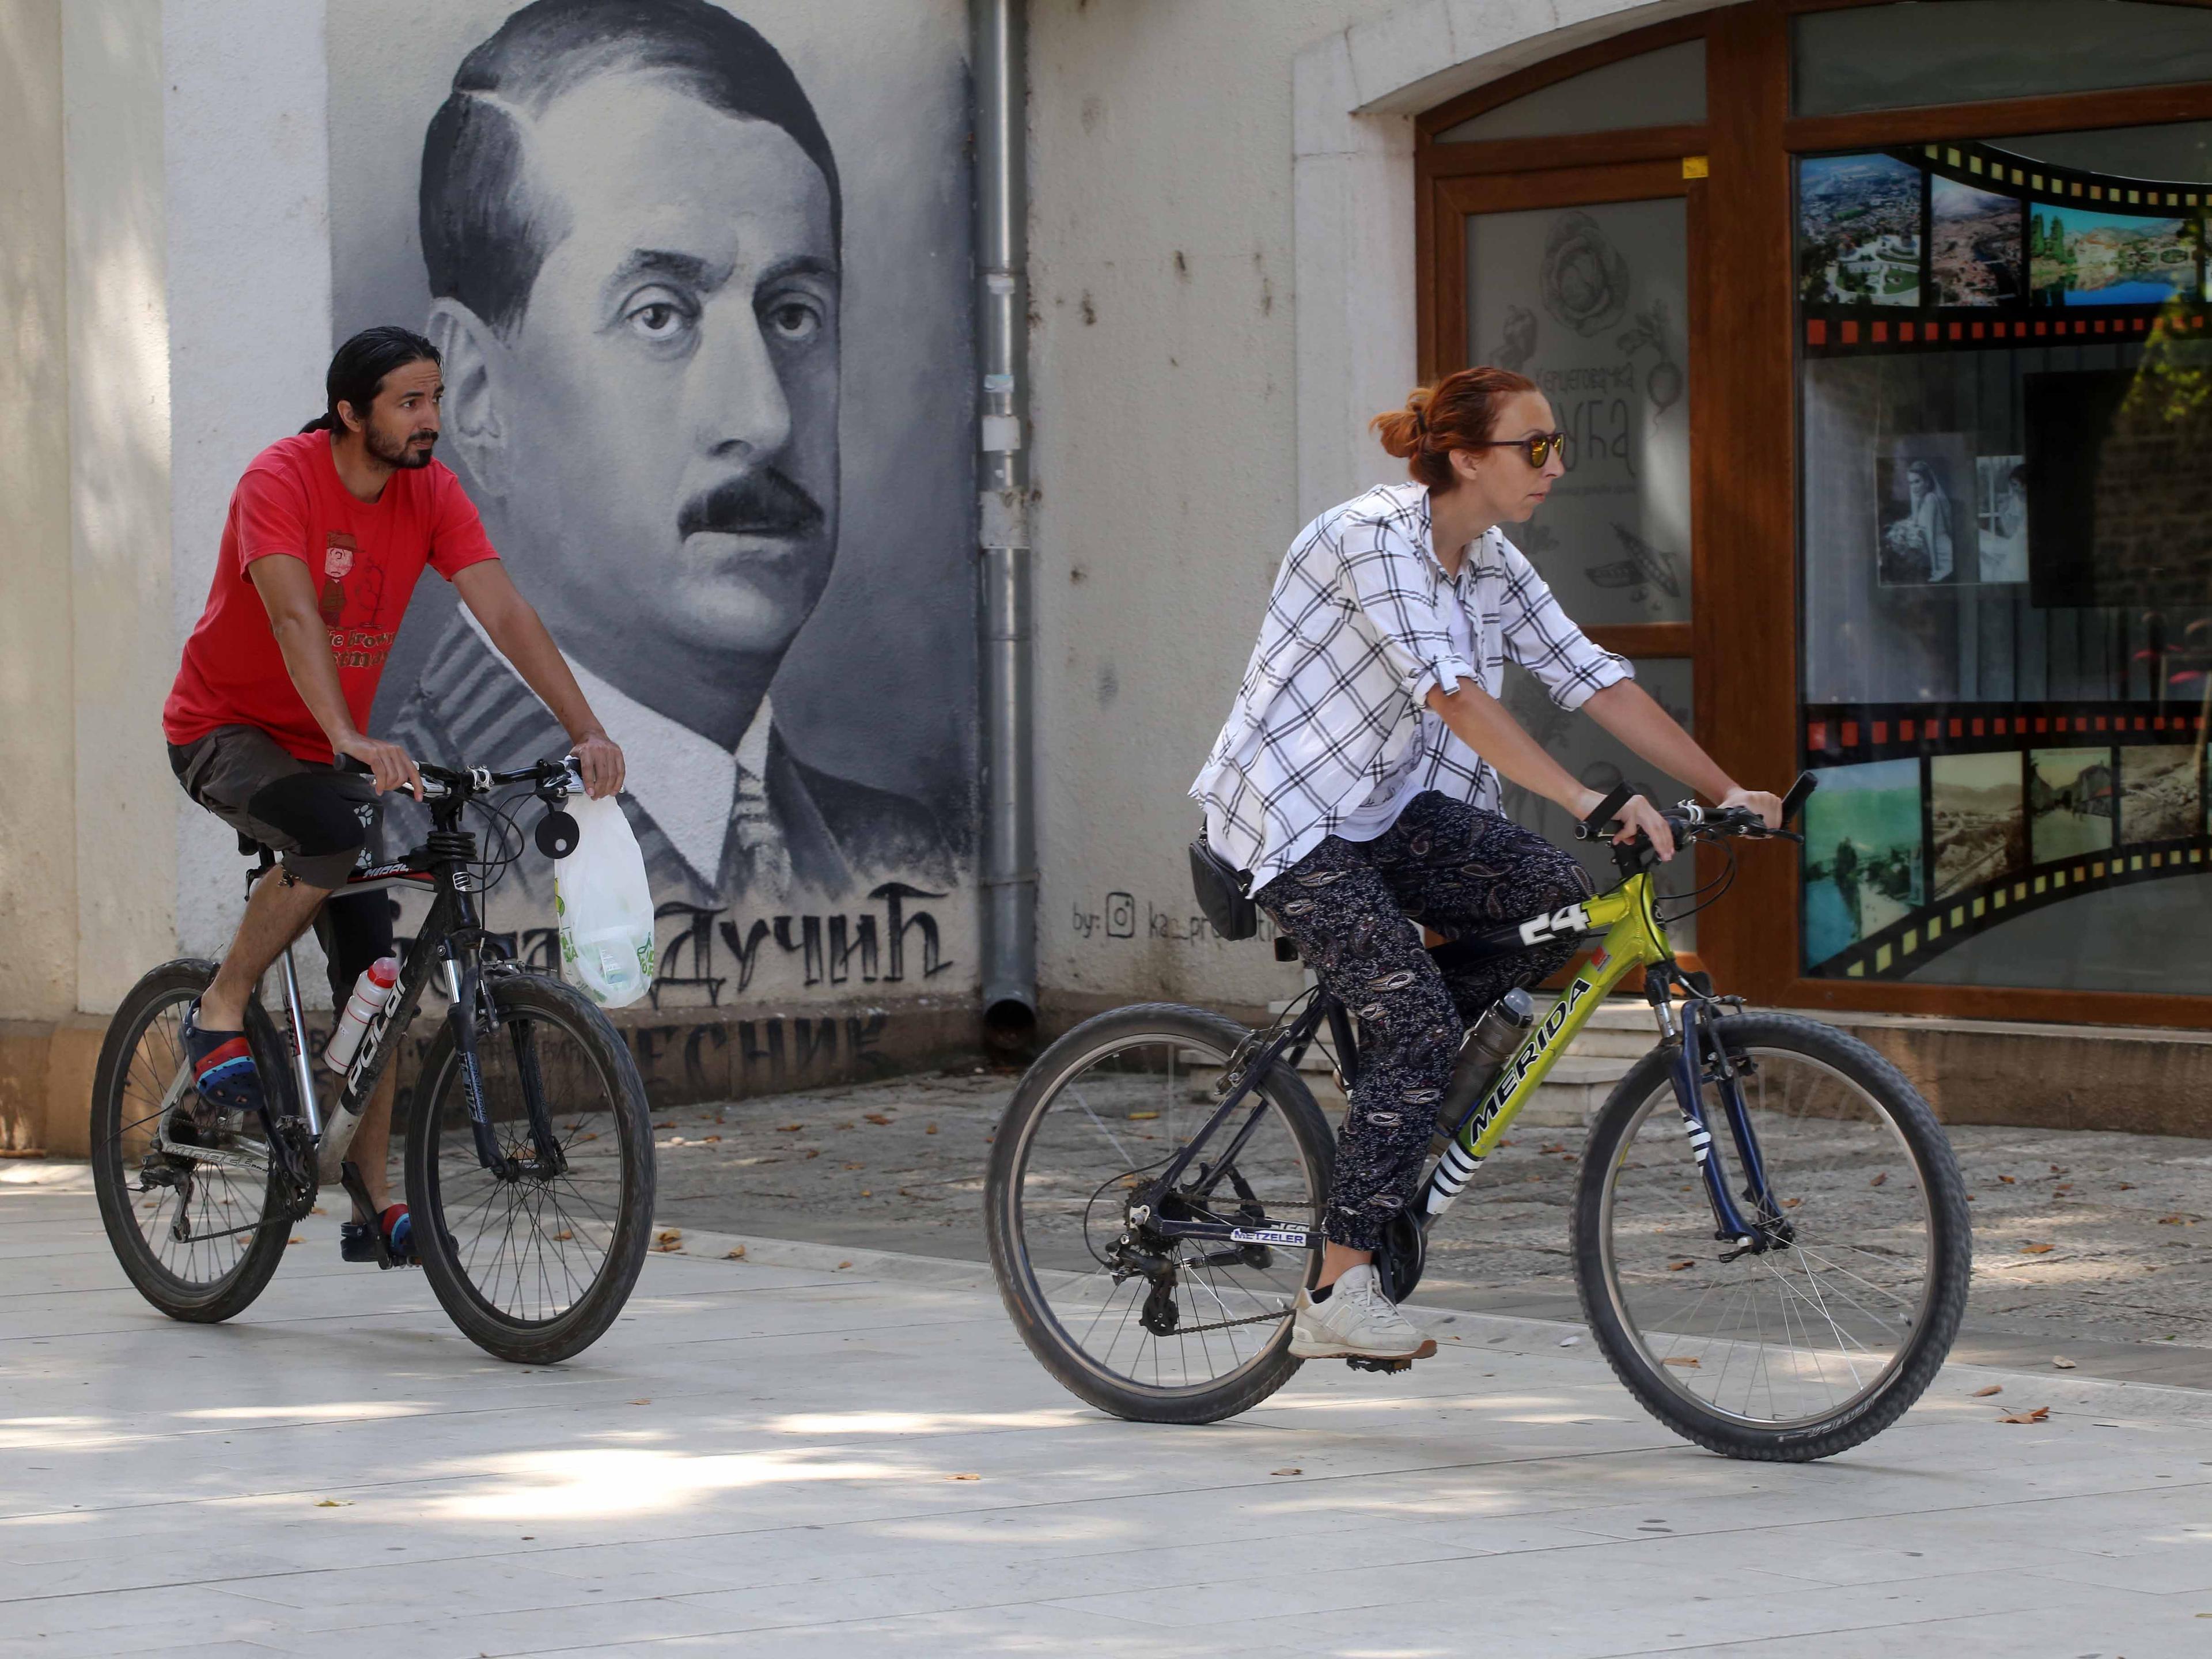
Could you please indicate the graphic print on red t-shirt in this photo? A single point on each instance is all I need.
(365, 558)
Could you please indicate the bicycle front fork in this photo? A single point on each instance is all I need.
(1702, 1057)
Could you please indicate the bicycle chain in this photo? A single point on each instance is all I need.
(1223, 1324)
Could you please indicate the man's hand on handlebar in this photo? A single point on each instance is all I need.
(387, 763)
(599, 759)
(1769, 807)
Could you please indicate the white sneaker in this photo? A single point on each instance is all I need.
(1357, 1322)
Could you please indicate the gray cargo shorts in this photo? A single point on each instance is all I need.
(321, 820)
(317, 819)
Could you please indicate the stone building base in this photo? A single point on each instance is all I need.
(682, 1054)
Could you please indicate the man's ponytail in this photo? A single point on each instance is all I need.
(320, 423)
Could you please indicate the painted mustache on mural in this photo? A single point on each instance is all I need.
(763, 503)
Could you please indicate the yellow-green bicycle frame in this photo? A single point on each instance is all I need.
(1634, 938)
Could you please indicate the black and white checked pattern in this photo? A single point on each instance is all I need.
(1333, 705)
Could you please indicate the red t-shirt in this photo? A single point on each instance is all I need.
(364, 556)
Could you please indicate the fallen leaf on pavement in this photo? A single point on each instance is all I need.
(2037, 1249)
(789, 1128)
(1685, 1362)
(866, 1192)
(929, 1128)
(2125, 1187)
(737, 1255)
(2058, 1168)
(844, 1264)
(1677, 1267)
(2063, 1362)
(2174, 1220)
(667, 1239)
(707, 1140)
(814, 1152)
(1142, 1117)
(562, 1236)
(1879, 1179)
(1286, 1471)
(641, 1402)
(594, 1135)
(1984, 1394)
(2035, 1416)
(334, 1503)
(1792, 1203)
(963, 1477)
(664, 1126)
(295, 1239)
(1555, 1147)
(319, 1210)
(2007, 1180)
(875, 1117)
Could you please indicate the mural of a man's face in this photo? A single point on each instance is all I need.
(665, 408)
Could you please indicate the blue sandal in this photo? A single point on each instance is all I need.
(224, 1078)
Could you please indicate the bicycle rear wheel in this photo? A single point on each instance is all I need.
(197, 1227)
(532, 1269)
(1154, 1329)
(1815, 1344)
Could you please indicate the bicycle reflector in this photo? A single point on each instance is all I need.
(556, 834)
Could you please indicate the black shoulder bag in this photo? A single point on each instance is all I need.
(1224, 892)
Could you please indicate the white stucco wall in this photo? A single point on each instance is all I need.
(37, 853)
(1222, 275)
(249, 286)
(115, 231)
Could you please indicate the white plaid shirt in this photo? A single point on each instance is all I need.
(1332, 708)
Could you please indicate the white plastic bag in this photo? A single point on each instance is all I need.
(604, 906)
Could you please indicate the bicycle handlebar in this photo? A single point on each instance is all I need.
(443, 782)
(1691, 822)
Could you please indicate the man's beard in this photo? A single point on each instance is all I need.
(403, 453)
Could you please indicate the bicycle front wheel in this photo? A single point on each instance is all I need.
(1149, 1327)
(1821, 1340)
(198, 1224)
(532, 1264)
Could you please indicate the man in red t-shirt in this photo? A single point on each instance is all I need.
(327, 534)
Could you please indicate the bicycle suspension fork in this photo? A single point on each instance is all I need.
(1702, 1056)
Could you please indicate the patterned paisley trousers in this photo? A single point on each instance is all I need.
(1454, 869)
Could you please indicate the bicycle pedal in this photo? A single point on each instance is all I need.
(1383, 1365)
(358, 1241)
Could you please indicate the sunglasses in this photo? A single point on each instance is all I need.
(1538, 449)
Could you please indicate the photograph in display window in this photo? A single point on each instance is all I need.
(2001, 516)
(1981, 823)
(1924, 535)
(1861, 854)
(1973, 243)
(1858, 230)
(2070, 799)
(2081, 259)
(2157, 791)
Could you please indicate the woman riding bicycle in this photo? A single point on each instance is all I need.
(1356, 781)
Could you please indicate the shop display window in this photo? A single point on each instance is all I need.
(2005, 506)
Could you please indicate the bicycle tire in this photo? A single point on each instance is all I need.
(1019, 1286)
(1948, 1230)
(540, 998)
(211, 1302)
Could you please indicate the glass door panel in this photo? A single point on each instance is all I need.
(1592, 303)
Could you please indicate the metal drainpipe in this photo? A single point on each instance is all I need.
(1010, 876)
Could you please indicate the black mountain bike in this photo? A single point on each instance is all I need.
(528, 1151)
(1770, 1235)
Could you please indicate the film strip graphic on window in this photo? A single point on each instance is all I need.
(1954, 247)
(1933, 824)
